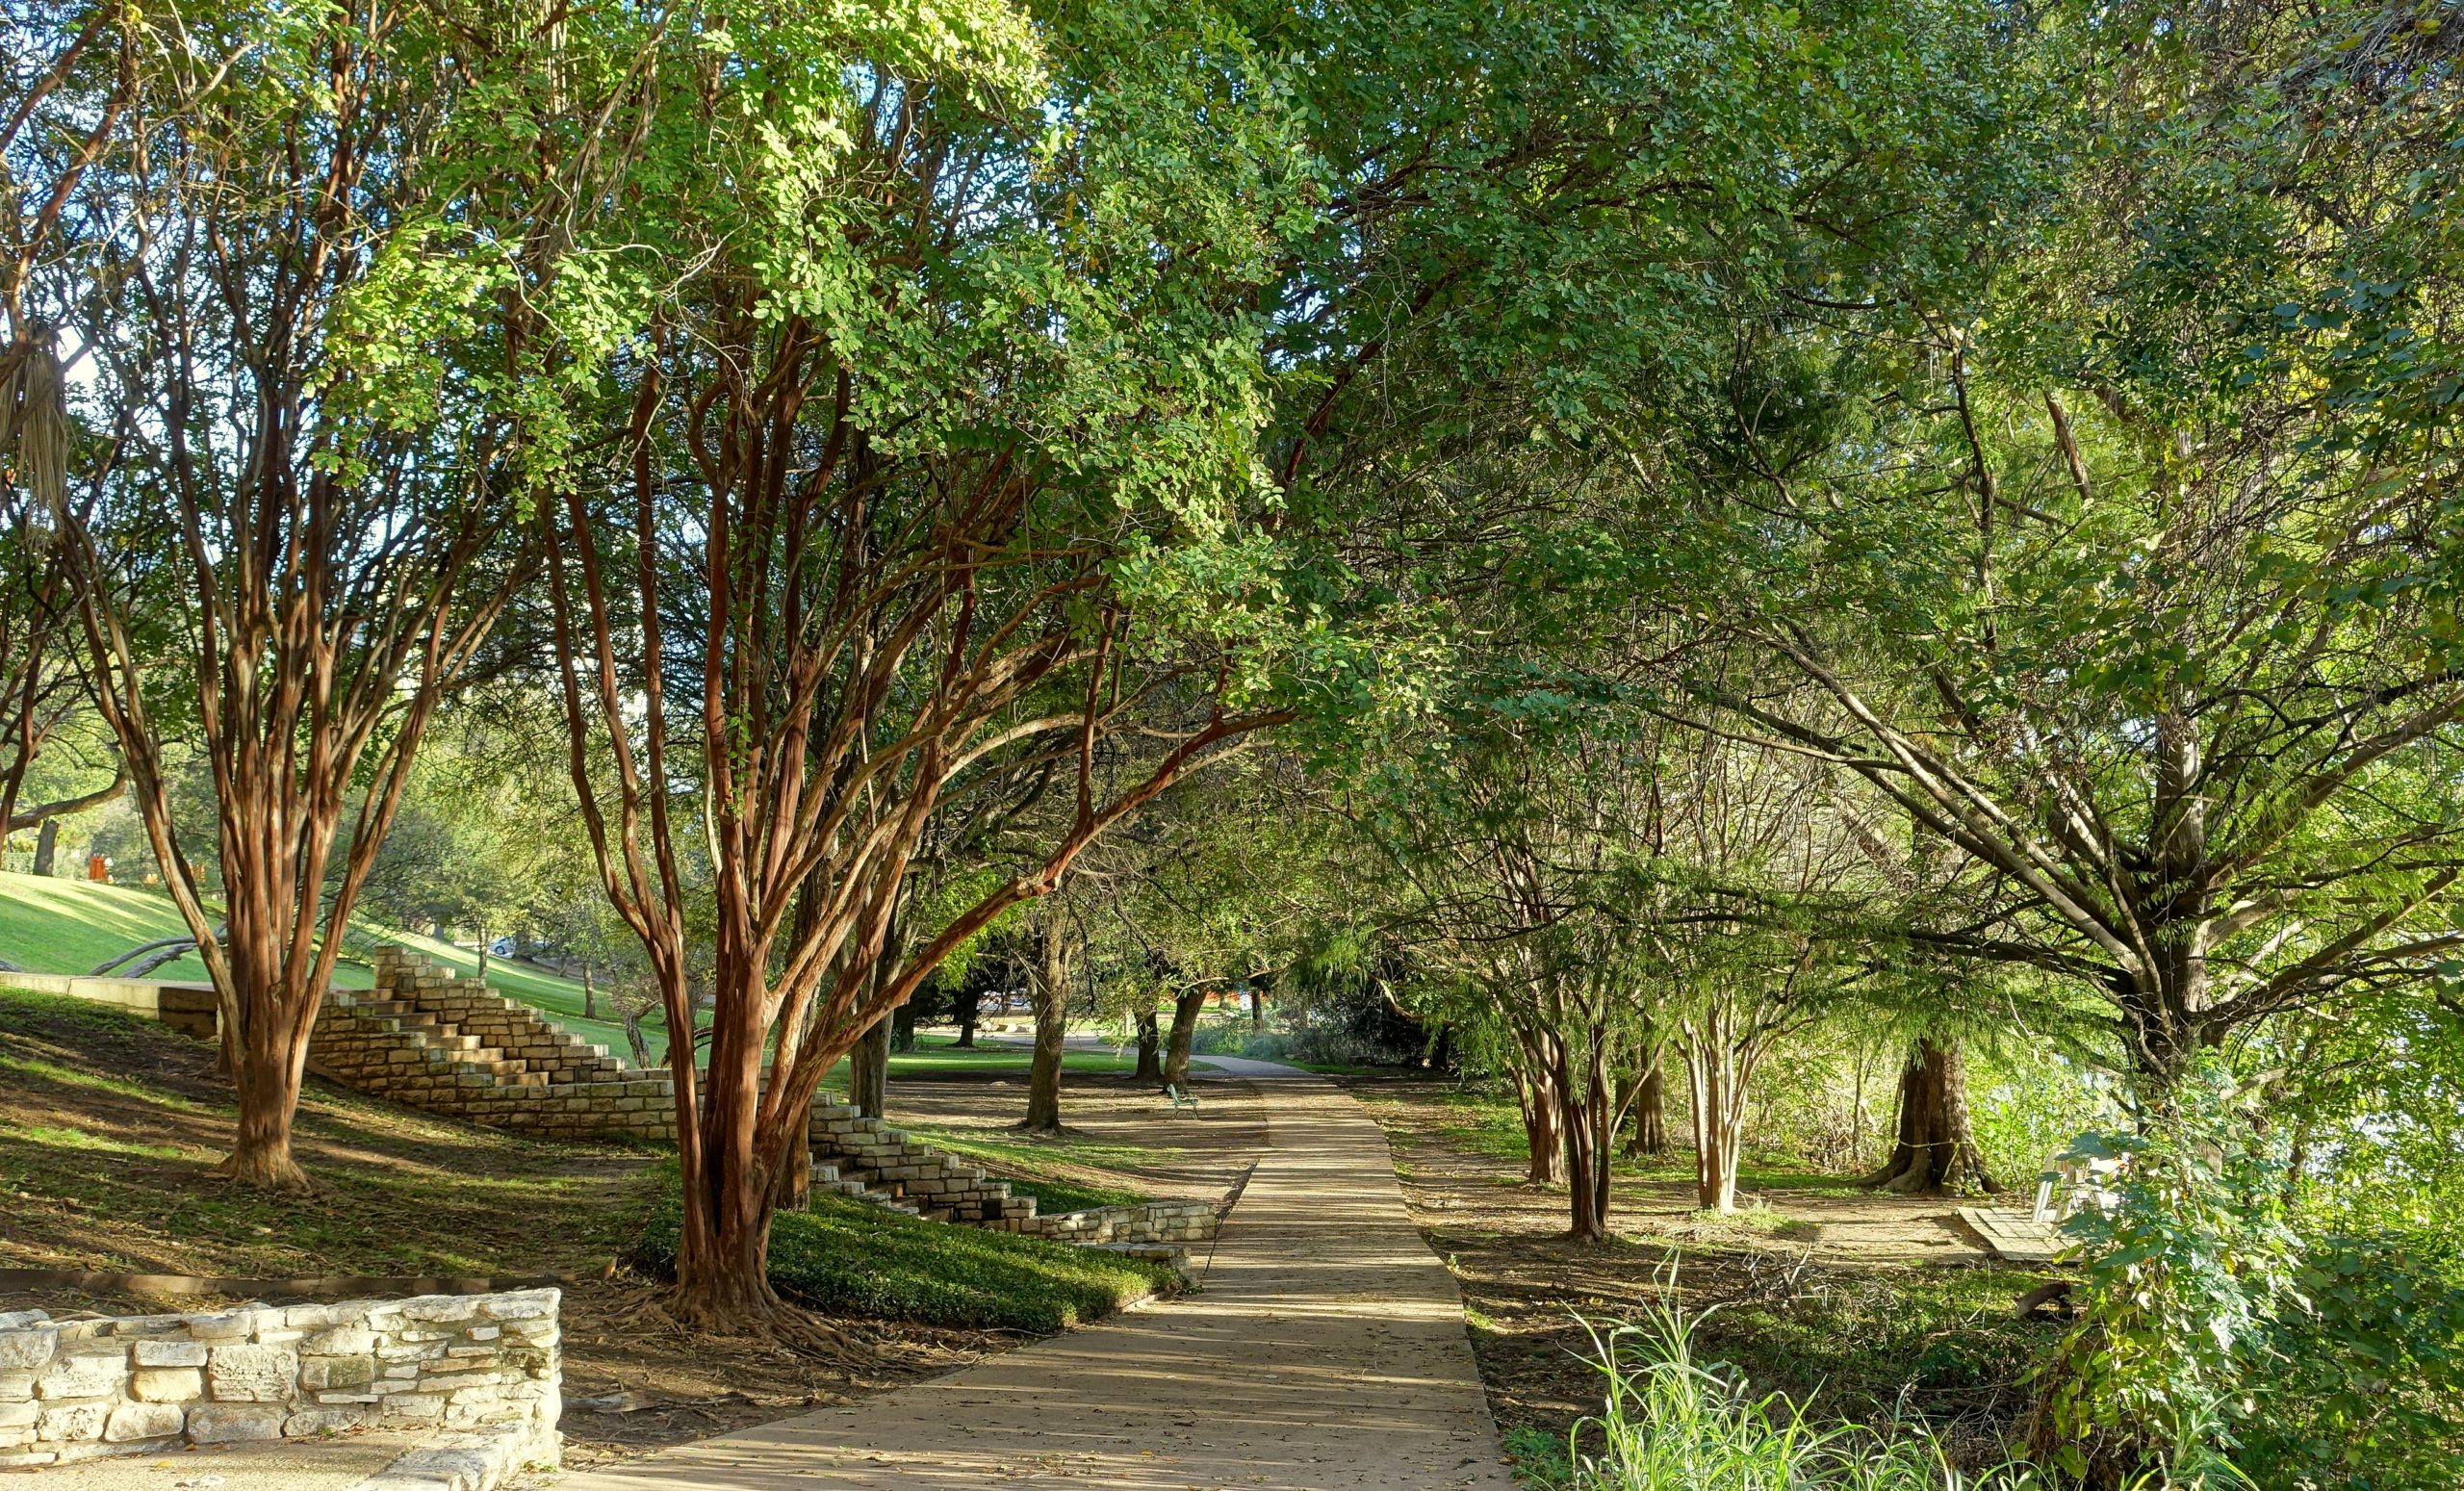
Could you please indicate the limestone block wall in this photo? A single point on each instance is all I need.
(1155, 1221)
(872, 1156)
(188, 1008)
(74, 1389)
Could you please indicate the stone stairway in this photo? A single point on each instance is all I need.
(428, 1039)
(423, 1036)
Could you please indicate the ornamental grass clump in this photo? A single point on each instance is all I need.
(1671, 1423)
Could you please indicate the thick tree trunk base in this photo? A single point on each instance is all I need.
(736, 1314)
(1935, 1153)
(267, 1170)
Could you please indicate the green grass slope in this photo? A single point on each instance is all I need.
(69, 926)
(110, 1125)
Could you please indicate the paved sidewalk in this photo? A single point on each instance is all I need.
(1325, 1353)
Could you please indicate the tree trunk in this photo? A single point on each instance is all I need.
(482, 974)
(1051, 988)
(1647, 1133)
(723, 1263)
(968, 1005)
(266, 1070)
(1543, 1125)
(1151, 1047)
(902, 1028)
(1176, 1046)
(791, 1188)
(47, 845)
(729, 1192)
(1937, 1150)
(1715, 1081)
(1257, 1009)
(1587, 1116)
(868, 1071)
(589, 994)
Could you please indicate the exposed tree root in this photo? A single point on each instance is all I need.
(778, 1324)
(266, 1172)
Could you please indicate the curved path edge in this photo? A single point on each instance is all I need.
(1326, 1351)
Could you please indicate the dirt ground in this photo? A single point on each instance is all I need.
(1811, 1261)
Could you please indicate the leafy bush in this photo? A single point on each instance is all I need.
(2182, 1282)
(1670, 1423)
(2363, 1390)
(2219, 1348)
(849, 1257)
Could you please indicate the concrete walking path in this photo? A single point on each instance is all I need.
(1325, 1353)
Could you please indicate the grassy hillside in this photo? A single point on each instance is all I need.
(69, 926)
(110, 1125)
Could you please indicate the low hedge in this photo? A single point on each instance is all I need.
(849, 1257)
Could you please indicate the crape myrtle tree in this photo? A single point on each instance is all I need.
(1524, 839)
(279, 246)
(936, 453)
(2139, 585)
(1755, 879)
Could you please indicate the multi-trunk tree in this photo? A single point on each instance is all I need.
(2128, 574)
(935, 467)
(278, 255)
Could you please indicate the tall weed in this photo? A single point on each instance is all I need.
(1672, 1422)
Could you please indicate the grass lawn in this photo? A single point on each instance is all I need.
(1025, 1163)
(845, 1257)
(49, 925)
(110, 1124)
(936, 1057)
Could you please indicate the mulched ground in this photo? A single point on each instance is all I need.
(1837, 1295)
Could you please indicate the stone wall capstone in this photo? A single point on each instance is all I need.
(1152, 1222)
(74, 1389)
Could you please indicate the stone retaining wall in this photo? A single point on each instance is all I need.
(74, 1389)
(1155, 1221)
(190, 1009)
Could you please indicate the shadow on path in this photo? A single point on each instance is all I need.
(1326, 1351)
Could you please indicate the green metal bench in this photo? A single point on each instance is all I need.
(1180, 1099)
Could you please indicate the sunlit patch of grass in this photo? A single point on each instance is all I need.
(1759, 1219)
(70, 1076)
(1022, 1149)
(1024, 1163)
(96, 1143)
